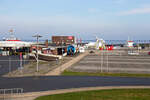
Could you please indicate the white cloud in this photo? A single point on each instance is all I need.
(136, 11)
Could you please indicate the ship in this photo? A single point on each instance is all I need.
(45, 57)
(13, 46)
(13, 42)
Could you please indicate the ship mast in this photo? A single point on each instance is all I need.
(11, 34)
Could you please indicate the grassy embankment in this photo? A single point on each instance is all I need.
(114, 94)
(70, 73)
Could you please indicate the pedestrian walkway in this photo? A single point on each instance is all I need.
(61, 68)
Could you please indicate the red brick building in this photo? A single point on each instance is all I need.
(59, 40)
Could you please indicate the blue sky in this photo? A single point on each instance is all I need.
(109, 19)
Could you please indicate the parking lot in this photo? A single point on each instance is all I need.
(113, 62)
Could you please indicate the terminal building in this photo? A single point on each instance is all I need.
(63, 40)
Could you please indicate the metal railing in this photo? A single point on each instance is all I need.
(6, 94)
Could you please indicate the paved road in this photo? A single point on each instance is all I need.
(44, 83)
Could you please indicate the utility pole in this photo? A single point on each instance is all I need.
(37, 56)
(101, 61)
(107, 60)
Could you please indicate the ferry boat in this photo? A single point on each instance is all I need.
(13, 45)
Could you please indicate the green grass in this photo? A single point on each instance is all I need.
(114, 94)
(70, 73)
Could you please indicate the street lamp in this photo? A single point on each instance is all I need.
(37, 56)
(62, 38)
(62, 45)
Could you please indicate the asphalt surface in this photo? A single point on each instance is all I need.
(44, 83)
(122, 64)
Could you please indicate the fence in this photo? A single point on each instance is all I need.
(11, 63)
(6, 94)
(14, 66)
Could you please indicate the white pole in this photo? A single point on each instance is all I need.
(61, 51)
(107, 61)
(101, 62)
(37, 56)
(37, 64)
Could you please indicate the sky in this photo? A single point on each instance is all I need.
(86, 19)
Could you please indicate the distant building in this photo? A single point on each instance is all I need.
(59, 40)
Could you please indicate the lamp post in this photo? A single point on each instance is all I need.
(37, 56)
(101, 61)
(62, 38)
(107, 60)
(61, 45)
